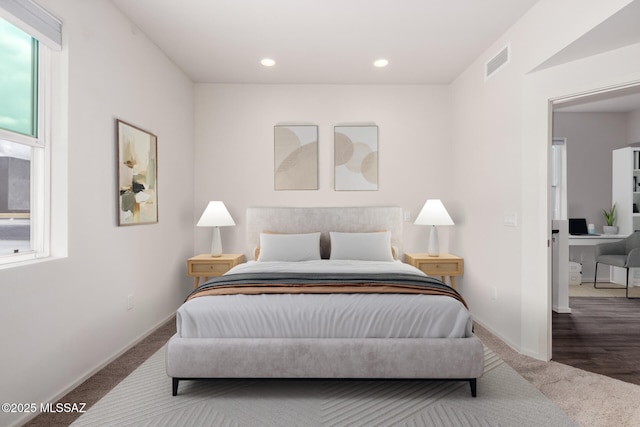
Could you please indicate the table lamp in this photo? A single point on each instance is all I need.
(433, 213)
(215, 215)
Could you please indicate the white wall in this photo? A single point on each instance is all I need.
(63, 319)
(591, 137)
(502, 135)
(234, 150)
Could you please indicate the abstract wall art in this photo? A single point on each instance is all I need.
(296, 157)
(355, 157)
(137, 175)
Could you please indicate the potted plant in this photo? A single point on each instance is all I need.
(610, 219)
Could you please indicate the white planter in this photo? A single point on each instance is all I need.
(610, 229)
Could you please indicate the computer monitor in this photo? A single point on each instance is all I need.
(578, 226)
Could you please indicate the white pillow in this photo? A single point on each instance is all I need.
(361, 246)
(289, 247)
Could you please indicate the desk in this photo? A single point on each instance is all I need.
(592, 240)
(580, 252)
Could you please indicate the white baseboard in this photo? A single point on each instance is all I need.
(502, 338)
(561, 309)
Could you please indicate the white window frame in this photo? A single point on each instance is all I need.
(40, 203)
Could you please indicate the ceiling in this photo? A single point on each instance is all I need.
(324, 41)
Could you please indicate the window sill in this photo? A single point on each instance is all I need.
(13, 261)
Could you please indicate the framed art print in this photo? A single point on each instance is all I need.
(137, 175)
(355, 157)
(295, 157)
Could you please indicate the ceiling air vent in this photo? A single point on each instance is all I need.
(497, 62)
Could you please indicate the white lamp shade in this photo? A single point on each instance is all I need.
(433, 213)
(215, 215)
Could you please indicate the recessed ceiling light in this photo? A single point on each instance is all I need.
(381, 63)
(268, 62)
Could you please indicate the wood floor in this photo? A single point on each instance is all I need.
(600, 335)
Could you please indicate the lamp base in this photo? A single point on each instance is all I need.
(434, 245)
(216, 243)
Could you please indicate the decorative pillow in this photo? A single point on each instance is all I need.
(361, 246)
(289, 247)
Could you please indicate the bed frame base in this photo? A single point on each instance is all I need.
(449, 359)
(473, 382)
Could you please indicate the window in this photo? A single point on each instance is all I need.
(559, 178)
(15, 198)
(18, 84)
(26, 34)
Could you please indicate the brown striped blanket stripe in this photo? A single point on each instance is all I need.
(307, 283)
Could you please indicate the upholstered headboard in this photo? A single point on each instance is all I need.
(358, 219)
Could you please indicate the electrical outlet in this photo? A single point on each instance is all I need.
(129, 302)
(510, 219)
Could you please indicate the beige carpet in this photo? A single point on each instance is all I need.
(504, 399)
(590, 399)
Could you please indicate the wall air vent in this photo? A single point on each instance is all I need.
(497, 62)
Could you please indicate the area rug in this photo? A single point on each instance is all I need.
(144, 399)
(587, 290)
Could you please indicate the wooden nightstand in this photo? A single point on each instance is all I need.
(205, 265)
(443, 265)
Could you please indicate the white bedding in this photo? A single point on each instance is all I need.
(326, 265)
(324, 315)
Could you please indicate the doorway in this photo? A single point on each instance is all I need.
(615, 112)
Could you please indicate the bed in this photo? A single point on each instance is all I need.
(324, 295)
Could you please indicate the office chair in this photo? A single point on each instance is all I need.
(624, 253)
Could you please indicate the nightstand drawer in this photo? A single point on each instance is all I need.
(440, 268)
(211, 269)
